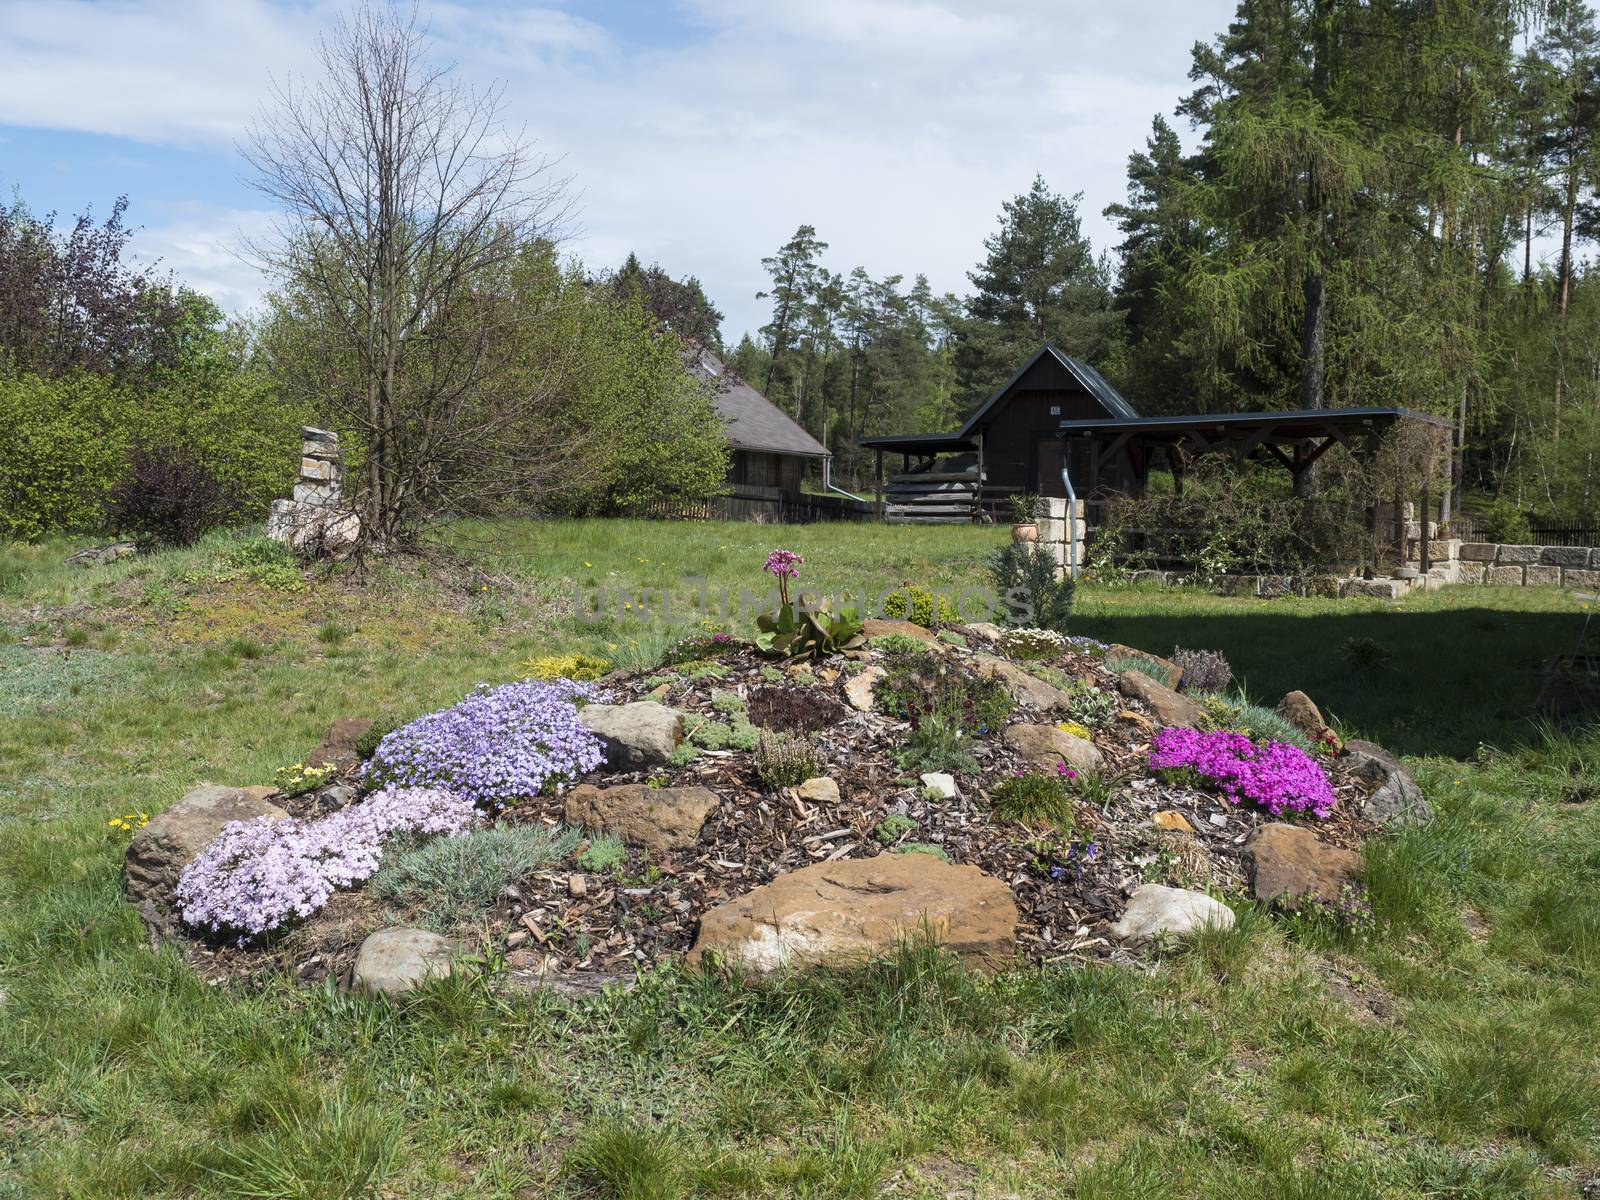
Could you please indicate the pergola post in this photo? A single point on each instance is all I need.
(880, 482)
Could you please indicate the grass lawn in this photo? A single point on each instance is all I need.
(1448, 1052)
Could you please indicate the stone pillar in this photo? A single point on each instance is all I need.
(316, 522)
(1060, 532)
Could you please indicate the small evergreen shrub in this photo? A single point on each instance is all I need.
(566, 666)
(727, 703)
(1264, 725)
(893, 827)
(1088, 705)
(1024, 574)
(921, 607)
(784, 761)
(938, 852)
(898, 643)
(1203, 670)
(915, 686)
(1031, 797)
(1117, 664)
(938, 742)
(1365, 654)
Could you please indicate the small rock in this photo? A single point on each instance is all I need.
(938, 781)
(1045, 746)
(1395, 798)
(1290, 862)
(858, 688)
(1024, 688)
(100, 555)
(392, 962)
(338, 745)
(1218, 820)
(1169, 818)
(986, 631)
(1138, 720)
(337, 796)
(820, 790)
(1302, 712)
(173, 839)
(577, 886)
(1155, 909)
(855, 909)
(1169, 707)
(667, 818)
(634, 736)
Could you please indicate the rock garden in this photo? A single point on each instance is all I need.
(814, 790)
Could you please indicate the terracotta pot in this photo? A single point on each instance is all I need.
(1025, 533)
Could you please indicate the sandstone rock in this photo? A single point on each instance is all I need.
(820, 790)
(1169, 707)
(1290, 862)
(391, 962)
(881, 627)
(1138, 720)
(848, 911)
(338, 745)
(1024, 688)
(938, 781)
(162, 849)
(986, 631)
(667, 818)
(97, 556)
(858, 688)
(1044, 746)
(1169, 818)
(636, 735)
(1171, 672)
(1395, 798)
(1155, 909)
(1302, 712)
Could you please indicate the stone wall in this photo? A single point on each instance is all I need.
(1529, 566)
(316, 523)
(1058, 531)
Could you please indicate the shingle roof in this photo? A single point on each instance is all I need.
(754, 422)
(1094, 383)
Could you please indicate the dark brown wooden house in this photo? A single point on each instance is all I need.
(1011, 444)
(770, 449)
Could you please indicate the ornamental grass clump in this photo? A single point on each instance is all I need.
(1276, 776)
(257, 876)
(496, 746)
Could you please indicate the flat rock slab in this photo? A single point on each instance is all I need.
(1171, 673)
(858, 689)
(1395, 798)
(881, 627)
(1168, 706)
(392, 962)
(819, 790)
(1289, 863)
(1155, 910)
(846, 912)
(634, 736)
(667, 818)
(1024, 688)
(162, 849)
(1045, 746)
(338, 745)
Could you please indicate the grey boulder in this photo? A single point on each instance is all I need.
(1394, 797)
(636, 735)
(162, 849)
(392, 962)
(1154, 910)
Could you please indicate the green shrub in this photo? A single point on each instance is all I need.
(716, 735)
(1032, 798)
(916, 685)
(921, 607)
(602, 853)
(453, 879)
(785, 761)
(1257, 723)
(1117, 664)
(1024, 574)
(938, 742)
(1504, 520)
(893, 827)
(367, 743)
(727, 703)
(1365, 654)
(899, 643)
(683, 754)
(1088, 705)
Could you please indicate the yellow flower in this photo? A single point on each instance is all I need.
(588, 564)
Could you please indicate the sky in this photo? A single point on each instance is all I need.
(697, 133)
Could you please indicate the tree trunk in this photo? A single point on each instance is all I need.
(1312, 352)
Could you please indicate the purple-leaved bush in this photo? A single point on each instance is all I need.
(497, 745)
(257, 875)
(1277, 776)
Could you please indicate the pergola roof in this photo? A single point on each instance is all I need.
(929, 443)
(1294, 425)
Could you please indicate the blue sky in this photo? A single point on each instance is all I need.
(698, 132)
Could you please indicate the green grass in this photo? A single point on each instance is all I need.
(1230, 1070)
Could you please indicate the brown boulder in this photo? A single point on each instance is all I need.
(1045, 746)
(338, 745)
(667, 818)
(1289, 863)
(1171, 672)
(881, 627)
(1301, 711)
(856, 909)
(1168, 706)
(162, 849)
(1024, 688)
(859, 687)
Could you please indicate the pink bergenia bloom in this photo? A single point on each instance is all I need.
(784, 564)
(1277, 776)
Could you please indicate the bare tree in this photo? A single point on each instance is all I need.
(408, 206)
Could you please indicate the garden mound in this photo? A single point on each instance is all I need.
(1030, 772)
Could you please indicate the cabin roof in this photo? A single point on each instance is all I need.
(753, 422)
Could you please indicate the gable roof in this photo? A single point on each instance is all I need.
(753, 422)
(1093, 382)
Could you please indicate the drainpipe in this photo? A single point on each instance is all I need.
(1072, 511)
(827, 481)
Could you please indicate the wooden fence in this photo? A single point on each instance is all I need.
(1471, 528)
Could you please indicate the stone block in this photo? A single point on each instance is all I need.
(1386, 589)
(1518, 554)
(1470, 572)
(1574, 577)
(1504, 576)
(322, 494)
(318, 443)
(1594, 559)
(1564, 556)
(1052, 508)
(1325, 586)
(1478, 551)
(1275, 585)
(1052, 530)
(323, 470)
(1058, 553)
(1535, 576)
(1236, 585)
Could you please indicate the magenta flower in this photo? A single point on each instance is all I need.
(1277, 777)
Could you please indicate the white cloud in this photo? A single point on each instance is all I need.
(896, 127)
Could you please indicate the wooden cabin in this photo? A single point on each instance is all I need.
(1011, 444)
(770, 449)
